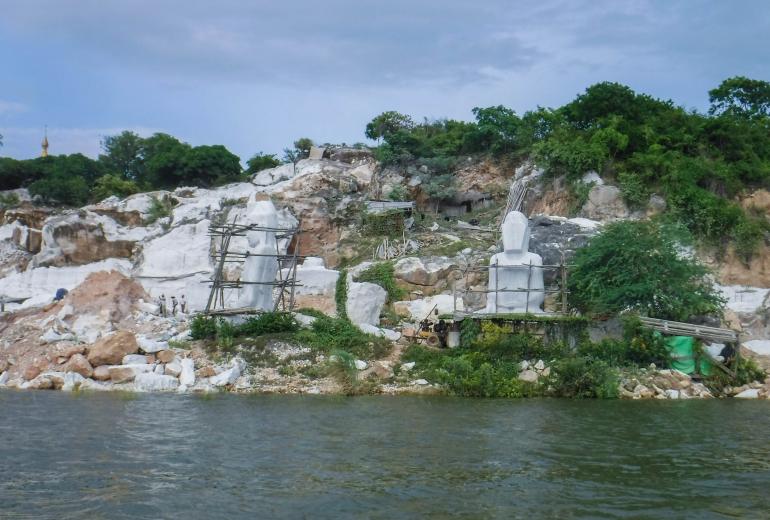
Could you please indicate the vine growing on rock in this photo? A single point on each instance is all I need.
(341, 294)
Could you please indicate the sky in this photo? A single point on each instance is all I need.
(256, 75)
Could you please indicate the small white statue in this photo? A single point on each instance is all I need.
(513, 271)
(260, 268)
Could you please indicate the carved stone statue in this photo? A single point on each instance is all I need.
(513, 271)
(260, 268)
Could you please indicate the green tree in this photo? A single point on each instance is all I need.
(210, 165)
(111, 184)
(495, 131)
(303, 145)
(259, 162)
(639, 265)
(742, 97)
(124, 154)
(386, 124)
(292, 155)
(164, 160)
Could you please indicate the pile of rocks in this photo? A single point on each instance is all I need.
(532, 371)
(662, 384)
(123, 361)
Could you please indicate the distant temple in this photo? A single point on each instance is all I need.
(44, 144)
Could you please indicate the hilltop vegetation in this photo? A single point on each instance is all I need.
(699, 162)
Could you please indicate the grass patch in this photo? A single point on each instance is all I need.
(328, 335)
(383, 274)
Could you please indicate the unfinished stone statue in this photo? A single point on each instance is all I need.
(260, 268)
(513, 271)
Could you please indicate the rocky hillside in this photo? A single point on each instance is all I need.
(116, 258)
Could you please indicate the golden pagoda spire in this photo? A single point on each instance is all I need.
(44, 144)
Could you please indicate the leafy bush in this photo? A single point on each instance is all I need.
(633, 189)
(383, 224)
(341, 294)
(382, 274)
(203, 327)
(268, 323)
(584, 377)
(109, 185)
(634, 265)
(59, 189)
(259, 162)
(8, 200)
(328, 334)
(159, 208)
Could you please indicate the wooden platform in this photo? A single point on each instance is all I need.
(678, 328)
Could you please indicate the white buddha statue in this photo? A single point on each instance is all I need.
(513, 271)
(260, 268)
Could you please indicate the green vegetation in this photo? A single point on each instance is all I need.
(488, 362)
(332, 334)
(383, 224)
(341, 294)
(325, 335)
(159, 208)
(8, 200)
(259, 162)
(110, 184)
(383, 274)
(638, 265)
(697, 162)
(207, 327)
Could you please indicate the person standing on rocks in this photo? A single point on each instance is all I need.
(183, 305)
(163, 305)
(173, 305)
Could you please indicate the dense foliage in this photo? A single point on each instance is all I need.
(129, 164)
(697, 162)
(383, 274)
(640, 266)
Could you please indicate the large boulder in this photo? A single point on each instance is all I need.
(419, 309)
(187, 377)
(604, 203)
(151, 382)
(82, 237)
(427, 274)
(364, 302)
(230, 375)
(79, 364)
(110, 350)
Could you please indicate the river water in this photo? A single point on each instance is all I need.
(167, 456)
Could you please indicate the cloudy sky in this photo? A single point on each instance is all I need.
(256, 74)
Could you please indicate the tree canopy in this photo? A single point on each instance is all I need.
(639, 266)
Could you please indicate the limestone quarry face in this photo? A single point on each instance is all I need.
(81, 238)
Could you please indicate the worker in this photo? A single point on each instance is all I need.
(441, 330)
(173, 305)
(162, 305)
(183, 305)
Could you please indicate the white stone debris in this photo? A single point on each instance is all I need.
(230, 375)
(151, 382)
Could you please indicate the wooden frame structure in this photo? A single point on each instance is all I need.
(223, 255)
(716, 334)
(560, 288)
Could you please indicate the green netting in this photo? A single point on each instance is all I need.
(681, 349)
(705, 366)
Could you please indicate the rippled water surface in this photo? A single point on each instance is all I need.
(167, 456)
